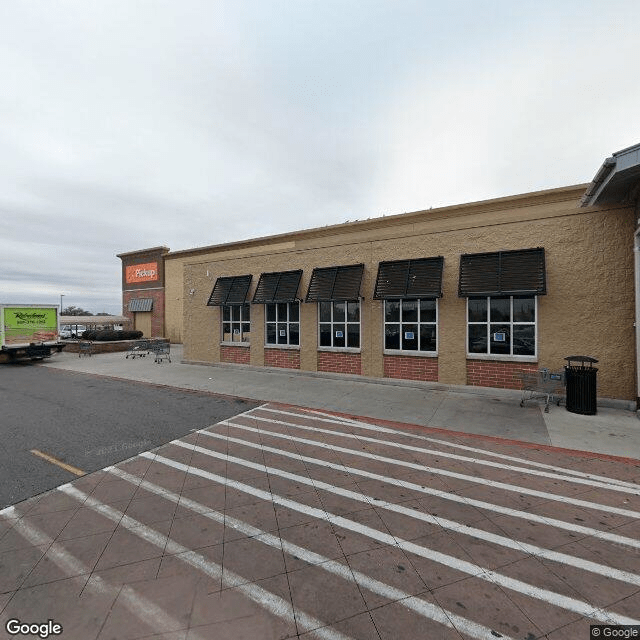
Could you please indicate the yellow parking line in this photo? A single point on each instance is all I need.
(58, 463)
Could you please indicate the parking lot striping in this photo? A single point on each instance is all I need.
(142, 608)
(560, 524)
(564, 602)
(273, 603)
(58, 463)
(325, 417)
(443, 472)
(9, 512)
(478, 534)
(454, 456)
(414, 603)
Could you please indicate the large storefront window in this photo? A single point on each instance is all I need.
(236, 323)
(339, 324)
(502, 325)
(282, 323)
(411, 325)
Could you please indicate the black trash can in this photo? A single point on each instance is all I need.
(580, 376)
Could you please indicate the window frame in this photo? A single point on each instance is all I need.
(277, 322)
(336, 324)
(408, 352)
(242, 321)
(511, 357)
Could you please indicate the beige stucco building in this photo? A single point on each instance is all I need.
(466, 294)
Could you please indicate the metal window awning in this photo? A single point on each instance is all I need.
(279, 286)
(520, 272)
(420, 278)
(140, 304)
(230, 290)
(335, 283)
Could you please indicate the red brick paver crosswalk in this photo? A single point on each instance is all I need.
(284, 522)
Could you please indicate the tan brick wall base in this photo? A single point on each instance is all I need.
(411, 368)
(339, 362)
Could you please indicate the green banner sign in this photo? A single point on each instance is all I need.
(30, 324)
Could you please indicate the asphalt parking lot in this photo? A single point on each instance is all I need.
(285, 522)
(85, 422)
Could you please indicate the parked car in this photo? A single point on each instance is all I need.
(68, 331)
(65, 333)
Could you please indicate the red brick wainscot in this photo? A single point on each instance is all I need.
(492, 373)
(284, 358)
(411, 368)
(237, 355)
(337, 362)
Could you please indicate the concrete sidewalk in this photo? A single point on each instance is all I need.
(484, 411)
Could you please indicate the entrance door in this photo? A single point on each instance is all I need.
(142, 322)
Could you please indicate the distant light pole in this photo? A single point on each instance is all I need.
(61, 296)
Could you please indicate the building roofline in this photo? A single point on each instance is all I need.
(559, 194)
(150, 250)
(614, 179)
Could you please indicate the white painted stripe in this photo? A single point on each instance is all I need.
(272, 603)
(452, 456)
(142, 608)
(326, 417)
(479, 534)
(555, 599)
(8, 512)
(561, 524)
(444, 472)
(426, 609)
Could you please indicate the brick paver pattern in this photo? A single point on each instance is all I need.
(284, 522)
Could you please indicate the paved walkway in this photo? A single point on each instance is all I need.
(493, 412)
(305, 522)
(290, 523)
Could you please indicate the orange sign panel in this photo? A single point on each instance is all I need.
(142, 272)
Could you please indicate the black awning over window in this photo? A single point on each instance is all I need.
(281, 286)
(503, 273)
(335, 283)
(230, 290)
(140, 304)
(421, 278)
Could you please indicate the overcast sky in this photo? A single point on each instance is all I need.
(132, 124)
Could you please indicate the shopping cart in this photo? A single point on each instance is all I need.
(138, 349)
(85, 348)
(161, 349)
(542, 384)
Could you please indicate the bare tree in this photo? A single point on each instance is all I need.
(75, 311)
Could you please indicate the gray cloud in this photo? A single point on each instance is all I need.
(130, 125)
